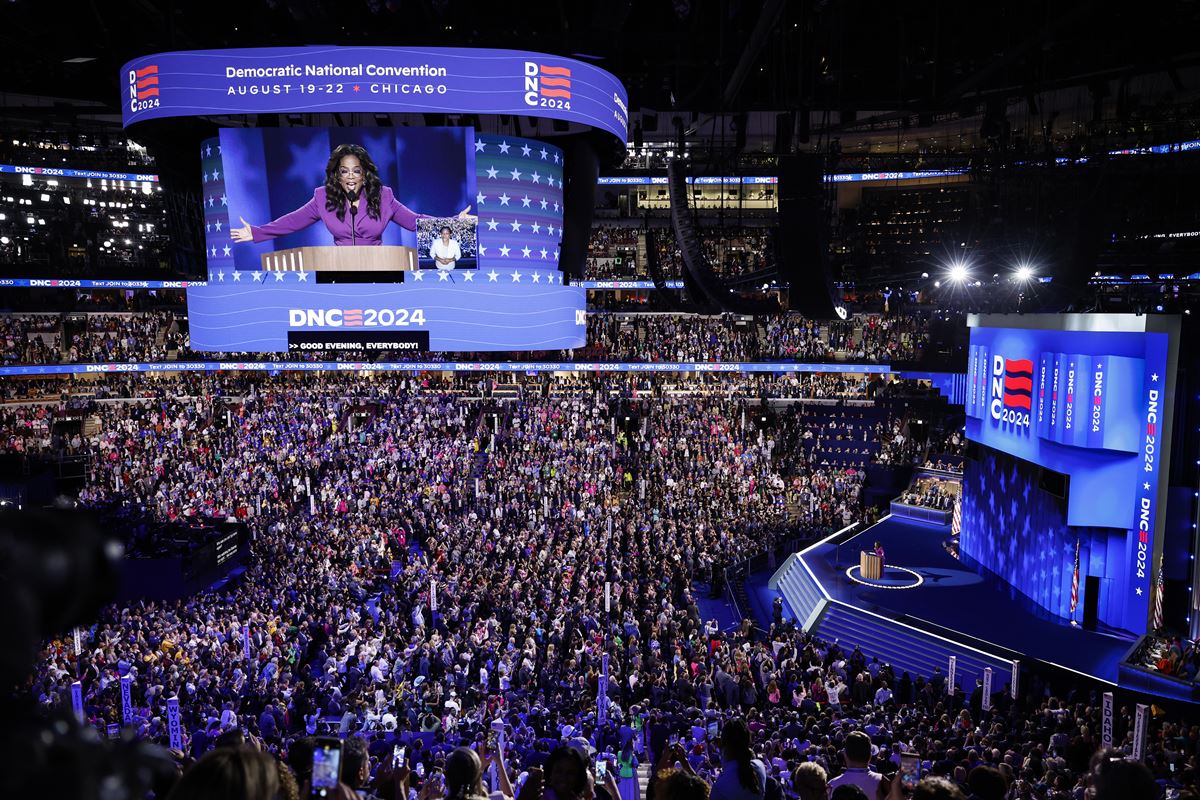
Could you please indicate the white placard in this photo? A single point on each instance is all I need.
(1106, 721)
(987, 689)
(174, 728)
(951, 675)
(127, 700)
(433, 595)
(246, 642)
(607, 597)
(78, 642)
(1015, 681)
(1141, 720)
(77, 700)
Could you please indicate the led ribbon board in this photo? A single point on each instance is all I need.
(386, 80)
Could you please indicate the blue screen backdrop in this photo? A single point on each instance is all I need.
(1089, 403)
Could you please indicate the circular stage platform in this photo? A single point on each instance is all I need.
(910, 579)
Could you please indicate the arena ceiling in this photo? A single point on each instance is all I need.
(688, 54)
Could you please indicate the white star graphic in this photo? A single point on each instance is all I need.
(208, 150)
(482, 251)
(504, 250)
(443, 275)
(516, 226)
(544, 203)
(525, 252)
(516, 175)
(492, 276)
(279, 276)
(504, 198)
(210, 202)
(479, 198)
(237, 276)
(492, 172)
(549, 230)
(543, 256)
(214, 251)
(555, 207)
(544, 153)
(418, 275)
(205, 178)
(216, 174)
(257, 275)
(1146, 486)
(208, 227)
(217, 225)
(224, 202)
(1139, 591)
(504, 147)
(516, 276)
(303, 276)
(469, 276)
(535, 178)
(479, 145)
(1154, 377)
(491, 223)
(537, 277)
(211, 277)
(536, 228)
(225, 250)
(525, 201)
(556, 158)
(221, 277)
(556, 254)
(525, 149)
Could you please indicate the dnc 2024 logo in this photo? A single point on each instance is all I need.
(1011, 390)
(547, 87)
(143, 88)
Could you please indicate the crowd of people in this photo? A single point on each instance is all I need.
(782, 337)
(426, 567)
(730, 251)
(162, 334)
(31, 338)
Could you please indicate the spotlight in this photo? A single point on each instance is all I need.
(958, 272)
(924, 274)
(1024, 273)
(937, 284)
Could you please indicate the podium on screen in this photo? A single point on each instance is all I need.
(330, 258)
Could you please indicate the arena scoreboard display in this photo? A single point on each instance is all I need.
(478, 213)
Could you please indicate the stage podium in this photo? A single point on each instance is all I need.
(330, 258)
(870, 566)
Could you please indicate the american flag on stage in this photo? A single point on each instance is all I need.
(956, 522)
(1075, 581)
(1158, 596)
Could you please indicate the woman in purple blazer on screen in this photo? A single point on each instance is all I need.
(349, 175)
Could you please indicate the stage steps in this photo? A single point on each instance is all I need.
(906, 648)
(800, 590)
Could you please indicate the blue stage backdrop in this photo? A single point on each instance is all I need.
(1089, 399)
(1018, 532)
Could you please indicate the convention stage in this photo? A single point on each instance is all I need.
(932, 598)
